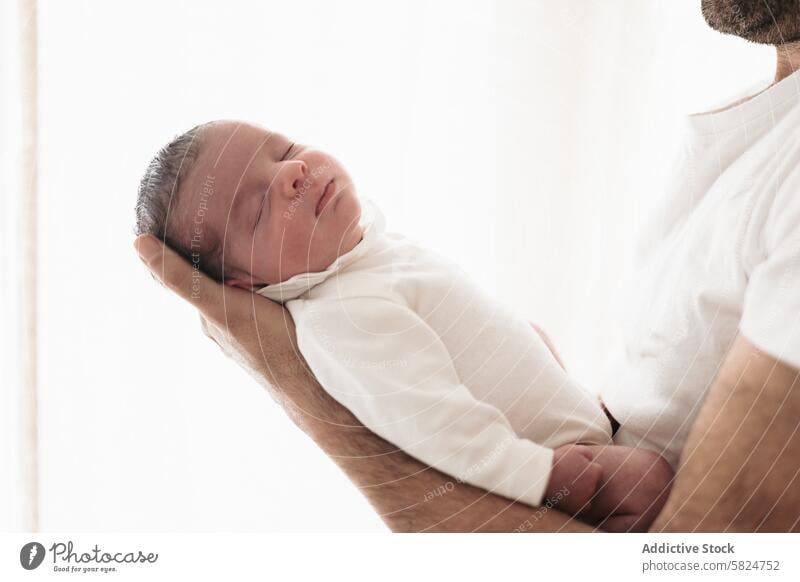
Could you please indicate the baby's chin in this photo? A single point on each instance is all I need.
(348, 213)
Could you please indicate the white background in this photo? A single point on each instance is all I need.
(523, 139)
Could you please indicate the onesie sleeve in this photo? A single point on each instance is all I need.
(383, 362)
(771, 312)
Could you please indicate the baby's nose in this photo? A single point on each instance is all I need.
(297, 178)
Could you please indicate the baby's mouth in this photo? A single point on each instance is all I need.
(327, 194)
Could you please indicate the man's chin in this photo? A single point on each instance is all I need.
(773, 22)
(769, 38)
(768, 33)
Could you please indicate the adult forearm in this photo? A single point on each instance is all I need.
(408, 495)
(260, 336)
(739, 470)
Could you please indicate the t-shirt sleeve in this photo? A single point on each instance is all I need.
(385, 364)
(771, 312)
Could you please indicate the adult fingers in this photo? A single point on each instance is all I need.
(210, 331)
(241, 314)
(181, 277)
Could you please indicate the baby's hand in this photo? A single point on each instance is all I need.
(574, 479)
(634, 488)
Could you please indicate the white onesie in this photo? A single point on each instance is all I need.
(422, 357)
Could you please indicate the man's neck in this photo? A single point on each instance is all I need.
(788, 60)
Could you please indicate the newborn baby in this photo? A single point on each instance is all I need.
(395, 333)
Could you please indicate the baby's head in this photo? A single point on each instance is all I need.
(247, 205)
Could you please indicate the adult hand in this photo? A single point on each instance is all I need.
(255, 332)
(259, 334)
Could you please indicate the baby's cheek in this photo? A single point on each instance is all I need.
(291, 251)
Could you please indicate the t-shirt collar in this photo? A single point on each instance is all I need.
(775, 100)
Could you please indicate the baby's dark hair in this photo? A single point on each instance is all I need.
(158, 199)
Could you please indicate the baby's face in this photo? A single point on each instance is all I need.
(281, 208)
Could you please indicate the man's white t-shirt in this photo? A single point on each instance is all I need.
(720, 254)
